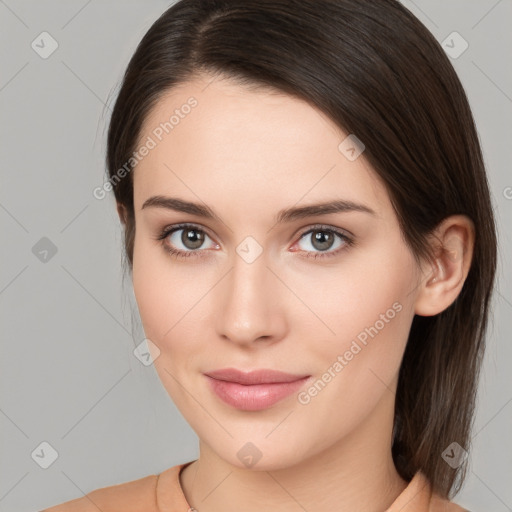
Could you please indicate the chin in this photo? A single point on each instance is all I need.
(263, 455)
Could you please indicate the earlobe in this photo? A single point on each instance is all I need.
(121, 211)
(453, 242)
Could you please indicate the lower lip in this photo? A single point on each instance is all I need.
(254, 397)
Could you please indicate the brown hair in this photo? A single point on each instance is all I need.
(377, 72)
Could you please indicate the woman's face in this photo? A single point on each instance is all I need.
(257, 288)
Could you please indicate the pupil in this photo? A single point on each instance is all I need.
(323, 238)
(192, 238)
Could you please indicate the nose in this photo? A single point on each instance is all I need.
(250, 303)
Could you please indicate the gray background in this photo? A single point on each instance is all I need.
(69, 324)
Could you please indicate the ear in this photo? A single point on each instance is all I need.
(453, 242)
(121, 211)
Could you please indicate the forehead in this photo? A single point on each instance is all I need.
(216, 139)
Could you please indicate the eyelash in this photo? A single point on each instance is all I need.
(349, 242)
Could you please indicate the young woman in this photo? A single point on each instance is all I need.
(312, 245)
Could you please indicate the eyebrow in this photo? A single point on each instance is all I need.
(286, 215)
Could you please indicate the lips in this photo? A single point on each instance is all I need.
(255, 390)
(263, 376)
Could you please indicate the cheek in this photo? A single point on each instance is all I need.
(162, 299)
(155, 291)
(368, 292)
(146, 288)
(356, 367)
(367, 314)
(167, 294)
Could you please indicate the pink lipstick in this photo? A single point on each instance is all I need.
(255, 390)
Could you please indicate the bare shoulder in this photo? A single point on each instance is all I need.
(129, 496)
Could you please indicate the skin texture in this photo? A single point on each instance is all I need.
(248, 155)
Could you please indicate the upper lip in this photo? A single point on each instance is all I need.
(260, 376)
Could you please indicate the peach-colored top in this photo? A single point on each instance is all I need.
(163, 493)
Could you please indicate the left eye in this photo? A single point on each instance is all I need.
(322, 240)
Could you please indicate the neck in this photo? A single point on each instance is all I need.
(357, 473)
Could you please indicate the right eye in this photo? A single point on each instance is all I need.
(183, 240)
